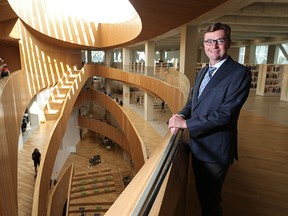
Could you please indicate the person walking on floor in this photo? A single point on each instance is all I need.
(36, 157)
(211, 117)
(163, 107)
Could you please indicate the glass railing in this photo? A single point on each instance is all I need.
(146, 200)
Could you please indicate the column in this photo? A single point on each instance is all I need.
(189, 51)
(271, 54)
(126, 94)
(250, 56)
(149, 70)
(126, 88)
(234, 53)
(162, 55)
(148, 107)
(126, 59)
(284, 86)
(108, 85)
(149, 57)
(108, 58)
(89, 58)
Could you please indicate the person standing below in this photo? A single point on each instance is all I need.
(36, 157)
(163, 107)
(121, 103)
(5, 71)
(138, 100)
(211, 117)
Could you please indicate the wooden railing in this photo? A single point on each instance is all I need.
(105, 130)
(130, 140)
(14, 96)
(17, 87)
(60, 194)
(42, 182)
(174, 90)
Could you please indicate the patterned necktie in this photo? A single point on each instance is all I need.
(206, 79)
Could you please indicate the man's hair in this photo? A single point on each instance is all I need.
(219, 26)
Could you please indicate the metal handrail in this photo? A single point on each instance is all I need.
(151, 191)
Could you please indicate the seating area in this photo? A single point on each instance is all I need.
(95, 191)
(93, 207)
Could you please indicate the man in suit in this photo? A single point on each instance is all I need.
(211, 117)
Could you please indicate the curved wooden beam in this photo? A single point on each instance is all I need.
(173, 96)
(64, 30)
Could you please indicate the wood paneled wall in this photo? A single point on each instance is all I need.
(61, 192)
(14, 99)
(42, 66)
(9, 47)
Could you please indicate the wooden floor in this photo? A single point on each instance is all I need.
(259, 180)
(36, 139)
(256, 185)
(96, 187)
(90, 145)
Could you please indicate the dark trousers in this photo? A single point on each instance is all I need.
(209, 179)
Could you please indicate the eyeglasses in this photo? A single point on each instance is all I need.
(211, 42)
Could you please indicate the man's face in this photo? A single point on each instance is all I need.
(215, 51)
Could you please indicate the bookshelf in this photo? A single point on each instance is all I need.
(254, 68)
(270, 80)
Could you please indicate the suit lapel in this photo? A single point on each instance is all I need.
(202, 73)
(217, 77)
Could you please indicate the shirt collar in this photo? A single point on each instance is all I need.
(218, 65)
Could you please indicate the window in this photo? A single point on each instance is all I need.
(261, 54)
(280, 56)
(241, 58)
(117, 56)
(97, 56)
(141, 56)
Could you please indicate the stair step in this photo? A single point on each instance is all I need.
(51, 117)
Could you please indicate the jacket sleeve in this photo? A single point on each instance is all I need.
(221, 110)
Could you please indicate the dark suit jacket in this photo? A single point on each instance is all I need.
(212, 119)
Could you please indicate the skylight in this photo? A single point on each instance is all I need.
(96, 11)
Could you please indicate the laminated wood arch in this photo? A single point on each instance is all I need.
(74, 30)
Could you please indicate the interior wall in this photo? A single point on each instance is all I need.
(9, 47)
(11, 56)
(43, 65)
(69, 142)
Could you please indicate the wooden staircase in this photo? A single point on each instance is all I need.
(54, 105)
